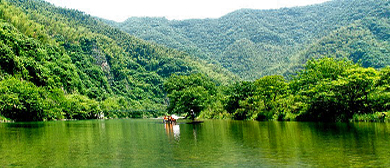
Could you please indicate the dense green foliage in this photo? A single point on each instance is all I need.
(63, 64)
(255, 43)
(57, 63)
(365, 41)
(325, 90)
(194, 92)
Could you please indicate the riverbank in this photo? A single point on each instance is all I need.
(5, 120)
(374, 117)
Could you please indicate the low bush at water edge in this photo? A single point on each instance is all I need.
(374, 117)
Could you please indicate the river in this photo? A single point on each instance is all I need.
(214, 143)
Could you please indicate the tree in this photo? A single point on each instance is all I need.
(237, 92)
(186, 93)
(379, 99)
(269, 88)
(315, 90)
(334, 90)
(353, 89)
(23, 101)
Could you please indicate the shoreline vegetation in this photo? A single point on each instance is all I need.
(325, 90)
(376, 117)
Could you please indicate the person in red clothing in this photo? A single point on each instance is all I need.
(165, 119)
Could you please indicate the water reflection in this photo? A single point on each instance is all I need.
(215, 143)
(172, 130)
(26, 125)
(194, 131)
(176, 131)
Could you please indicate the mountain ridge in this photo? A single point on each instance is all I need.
(279, 35)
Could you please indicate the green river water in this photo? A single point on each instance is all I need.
(214, 143)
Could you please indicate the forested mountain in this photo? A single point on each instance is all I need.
(365, 41)
(254, 43)
(57, 63)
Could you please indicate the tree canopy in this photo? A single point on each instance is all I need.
(326, 89)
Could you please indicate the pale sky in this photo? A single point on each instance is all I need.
(120, 10)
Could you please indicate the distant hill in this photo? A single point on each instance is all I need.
(364, 41)
(97, 68)
(254, 43)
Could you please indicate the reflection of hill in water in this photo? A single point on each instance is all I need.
(214, 143)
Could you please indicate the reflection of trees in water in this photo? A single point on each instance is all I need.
(173, 130)
(313, 143)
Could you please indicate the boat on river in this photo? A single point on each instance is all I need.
(173, 120)
(170, 119)
(194, 122)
